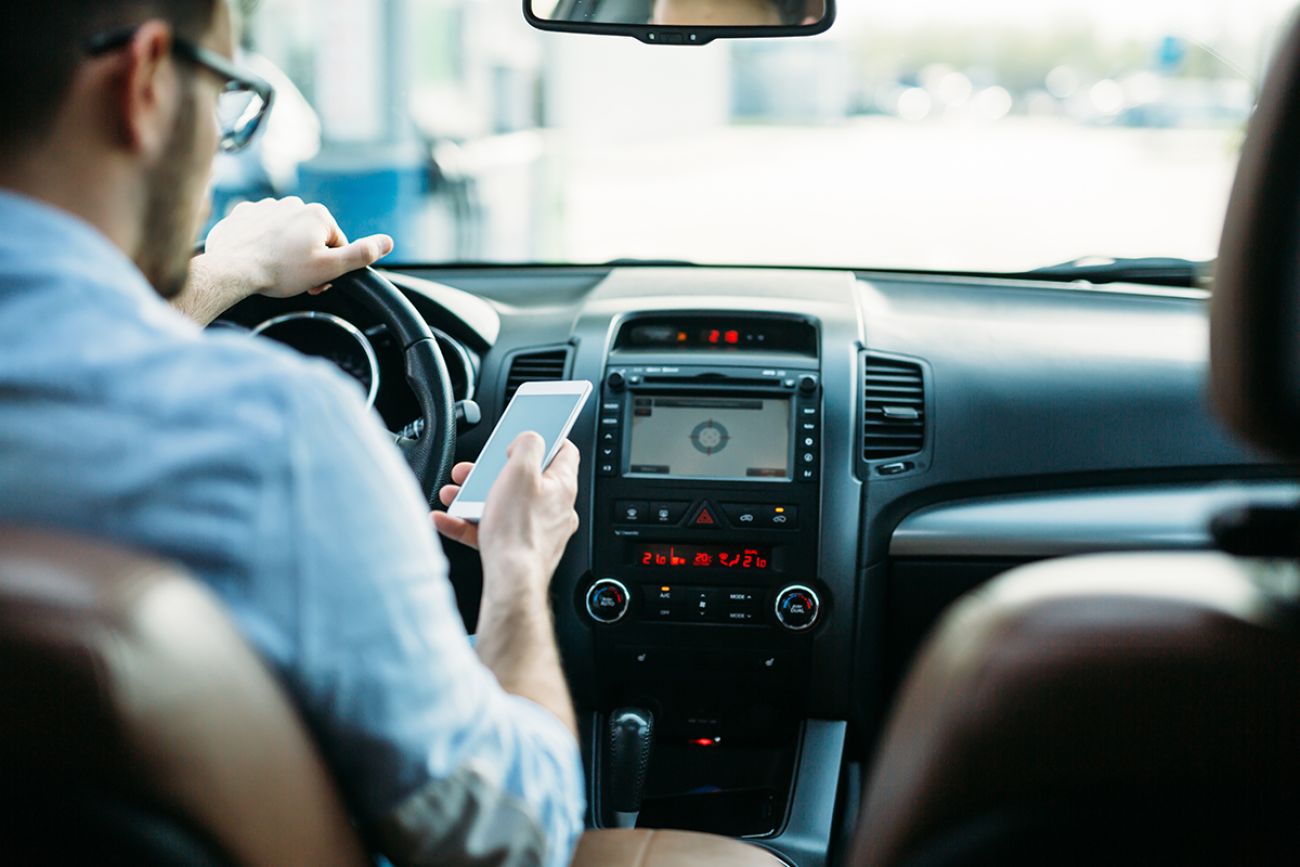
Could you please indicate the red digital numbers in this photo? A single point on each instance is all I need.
(702, 557)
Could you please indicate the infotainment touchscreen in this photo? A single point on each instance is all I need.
(707, 437)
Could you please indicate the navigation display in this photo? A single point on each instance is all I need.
(710, 437)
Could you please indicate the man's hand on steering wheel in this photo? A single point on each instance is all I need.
(275, 247)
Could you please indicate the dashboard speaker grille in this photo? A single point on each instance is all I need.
(893, 401)
(548, 364)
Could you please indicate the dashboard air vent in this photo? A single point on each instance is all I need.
(548, 364)
(893, 409)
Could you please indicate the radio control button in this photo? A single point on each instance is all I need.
(667, 513)
(705, 518)
(807, 384)
(616, 380)
(609, 436)
(607, 469)
(631, 512)
(808, 474)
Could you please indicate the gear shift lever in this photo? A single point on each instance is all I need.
(631, 737)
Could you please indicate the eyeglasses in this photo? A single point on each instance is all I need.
(243, 103)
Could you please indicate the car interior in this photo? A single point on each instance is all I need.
(875, 566)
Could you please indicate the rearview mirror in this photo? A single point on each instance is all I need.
(682, 22)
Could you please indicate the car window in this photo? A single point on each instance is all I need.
(935, 134)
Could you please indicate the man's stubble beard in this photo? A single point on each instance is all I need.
(172, 205)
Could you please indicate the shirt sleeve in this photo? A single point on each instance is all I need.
(439, 763)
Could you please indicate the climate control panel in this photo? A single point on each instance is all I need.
(795, 607)
(607, 600)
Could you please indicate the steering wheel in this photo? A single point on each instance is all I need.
(429, 444)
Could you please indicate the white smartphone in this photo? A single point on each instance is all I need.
(547, 408)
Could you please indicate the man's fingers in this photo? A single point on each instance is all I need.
(527, 450)
(460, 472)
(317, 290)
(456, 529)
(565, 462)
(334, 236)
(360, 253)
(447, 493)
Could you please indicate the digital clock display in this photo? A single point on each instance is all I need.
(734, 332)
(694, 336)
(735, 557)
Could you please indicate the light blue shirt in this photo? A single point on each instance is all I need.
(264, 473)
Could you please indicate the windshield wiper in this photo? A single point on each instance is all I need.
(1156, 270)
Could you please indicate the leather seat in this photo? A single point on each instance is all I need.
(137, 727)
(648, 848)
(1134, 708)
(1128, 708)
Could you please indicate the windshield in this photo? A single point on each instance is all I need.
(997, 135)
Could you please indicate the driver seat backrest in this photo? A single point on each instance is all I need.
(137, 726)
(1132, 708)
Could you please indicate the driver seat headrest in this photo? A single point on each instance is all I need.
(1255, 306)
(134, 711)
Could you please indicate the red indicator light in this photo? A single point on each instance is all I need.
(732, 337)
(681, 336)
(714, 335)
(704, 742)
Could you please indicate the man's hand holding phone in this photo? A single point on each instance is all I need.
(527, 519)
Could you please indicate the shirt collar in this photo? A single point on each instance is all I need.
(61, 243)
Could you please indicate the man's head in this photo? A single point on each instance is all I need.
(120, 132)
(731, 13)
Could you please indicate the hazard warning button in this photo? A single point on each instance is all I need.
(705, 517)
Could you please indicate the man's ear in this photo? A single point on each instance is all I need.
(147, 90)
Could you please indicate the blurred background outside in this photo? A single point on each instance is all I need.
(995, 135)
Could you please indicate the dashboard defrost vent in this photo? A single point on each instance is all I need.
(893, 401)
(547, 364)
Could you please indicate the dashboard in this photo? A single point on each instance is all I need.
(788, 474)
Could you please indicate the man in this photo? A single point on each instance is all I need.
(736, 13)
(258, 469)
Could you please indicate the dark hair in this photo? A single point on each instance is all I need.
(792, 12)
(43, 41)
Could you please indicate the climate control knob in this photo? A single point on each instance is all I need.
(607, 600)
(797, 607)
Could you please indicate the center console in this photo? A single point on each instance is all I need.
(705, 593)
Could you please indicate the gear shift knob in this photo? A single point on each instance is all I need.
(631, 737)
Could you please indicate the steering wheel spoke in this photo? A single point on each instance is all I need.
(429, 442)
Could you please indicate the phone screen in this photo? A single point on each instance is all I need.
(545, 414)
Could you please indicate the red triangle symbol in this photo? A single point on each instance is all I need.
(704, 518)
